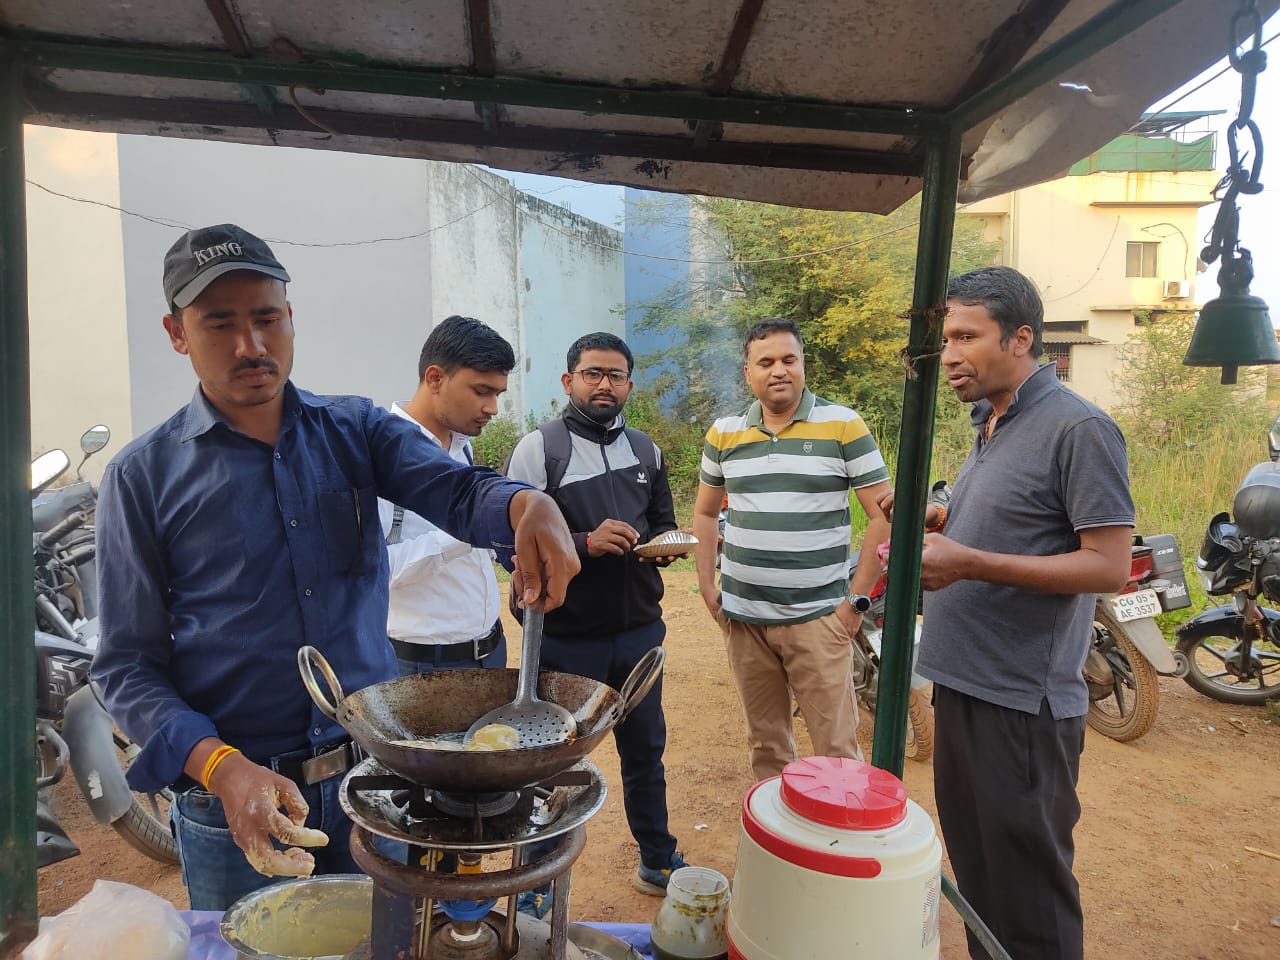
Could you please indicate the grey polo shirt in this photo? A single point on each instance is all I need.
(1055, 465)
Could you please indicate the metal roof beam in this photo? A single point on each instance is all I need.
(577, 148)
(1117, 21)
(1009, 43)
(238, 44)
(484, 61)
(744, 22)
(437, 84)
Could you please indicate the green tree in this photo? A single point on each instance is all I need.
(1162, 401)
(848, 301)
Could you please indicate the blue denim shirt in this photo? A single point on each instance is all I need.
(219, 556)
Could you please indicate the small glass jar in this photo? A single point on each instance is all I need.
(690, 924)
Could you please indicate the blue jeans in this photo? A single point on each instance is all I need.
(215, 870)
(495, 659)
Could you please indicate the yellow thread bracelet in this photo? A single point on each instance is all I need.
(215, 759)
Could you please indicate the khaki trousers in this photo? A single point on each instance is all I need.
(811, 661)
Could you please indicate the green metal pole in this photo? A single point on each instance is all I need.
(17, 612)
(911, 487)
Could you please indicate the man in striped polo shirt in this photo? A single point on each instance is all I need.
(787, 465)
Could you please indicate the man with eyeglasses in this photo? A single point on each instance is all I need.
(611, 484)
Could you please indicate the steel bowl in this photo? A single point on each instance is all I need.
(312, 918)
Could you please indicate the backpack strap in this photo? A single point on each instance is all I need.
(557, 446)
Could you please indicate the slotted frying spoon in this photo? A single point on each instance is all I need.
(538, 722)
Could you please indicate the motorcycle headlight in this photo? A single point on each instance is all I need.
(1206, 581)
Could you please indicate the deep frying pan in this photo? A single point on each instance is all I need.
(431, 704)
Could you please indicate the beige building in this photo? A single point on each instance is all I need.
(1112, 244)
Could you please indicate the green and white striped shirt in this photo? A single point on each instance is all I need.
(786, 541)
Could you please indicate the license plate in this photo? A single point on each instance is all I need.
(1136, 605)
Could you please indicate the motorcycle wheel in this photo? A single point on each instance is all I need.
(919, 726)
(1208, 671)
(145, 825)
(1128, 710)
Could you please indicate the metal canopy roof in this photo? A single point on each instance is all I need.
(819, 103)
(840, 104)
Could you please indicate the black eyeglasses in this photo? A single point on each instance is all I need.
(593, 375)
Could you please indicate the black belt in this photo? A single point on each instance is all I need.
(330, 762)
(449, 652)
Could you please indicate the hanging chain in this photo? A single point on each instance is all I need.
(1249, 59)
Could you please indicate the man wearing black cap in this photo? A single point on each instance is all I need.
(241, 529)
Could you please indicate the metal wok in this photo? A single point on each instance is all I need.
(434, 704)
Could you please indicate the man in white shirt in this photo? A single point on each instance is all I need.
(443, 613)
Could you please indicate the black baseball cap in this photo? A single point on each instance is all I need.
(201, 256)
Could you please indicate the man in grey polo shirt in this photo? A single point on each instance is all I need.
(1040, 520)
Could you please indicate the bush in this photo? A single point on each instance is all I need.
(680, 443)
(499, 437)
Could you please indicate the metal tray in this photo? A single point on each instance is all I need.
(673, 543)
(598, 945)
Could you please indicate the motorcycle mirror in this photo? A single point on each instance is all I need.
(91, 441)
(47, 468)
(94, 439)
(1273, 440)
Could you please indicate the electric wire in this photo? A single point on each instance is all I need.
(179, 225)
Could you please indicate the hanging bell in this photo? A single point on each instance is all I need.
(1234, 329)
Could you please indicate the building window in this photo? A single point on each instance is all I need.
(1140, 259)
(1060, 354)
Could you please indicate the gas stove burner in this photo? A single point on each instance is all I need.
(474, 804)
(392, 807)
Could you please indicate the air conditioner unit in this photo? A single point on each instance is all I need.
(1176, 289)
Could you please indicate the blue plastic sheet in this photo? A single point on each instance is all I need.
(207, 942)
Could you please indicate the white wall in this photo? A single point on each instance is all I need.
(379, 249)
(76, 293)
(571, 275)
(361, 308)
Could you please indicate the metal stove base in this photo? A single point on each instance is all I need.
(534, 943)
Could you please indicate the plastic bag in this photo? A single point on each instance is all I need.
(111, 921)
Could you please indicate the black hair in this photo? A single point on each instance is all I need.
(597, 341)
(1008, 296)
(767, 328)
(465, 342)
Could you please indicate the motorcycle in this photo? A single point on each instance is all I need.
(73, 729)
(866, 651)
(1128, 650)
(866, 668)
(1232, 652)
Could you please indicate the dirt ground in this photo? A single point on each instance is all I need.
(1162, 847)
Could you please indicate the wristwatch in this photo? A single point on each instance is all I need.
(859, 601)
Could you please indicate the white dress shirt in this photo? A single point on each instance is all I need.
(442, 590)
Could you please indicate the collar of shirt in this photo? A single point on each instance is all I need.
(459, 444)
(201, 417)
(1030, 390)
(755, 412)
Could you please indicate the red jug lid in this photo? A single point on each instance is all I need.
(840, 792)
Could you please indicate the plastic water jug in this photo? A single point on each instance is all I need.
(835, 861)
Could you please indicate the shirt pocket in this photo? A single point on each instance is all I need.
(352, 531)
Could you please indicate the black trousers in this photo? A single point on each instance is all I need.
(1005, 784)
(641, 738)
